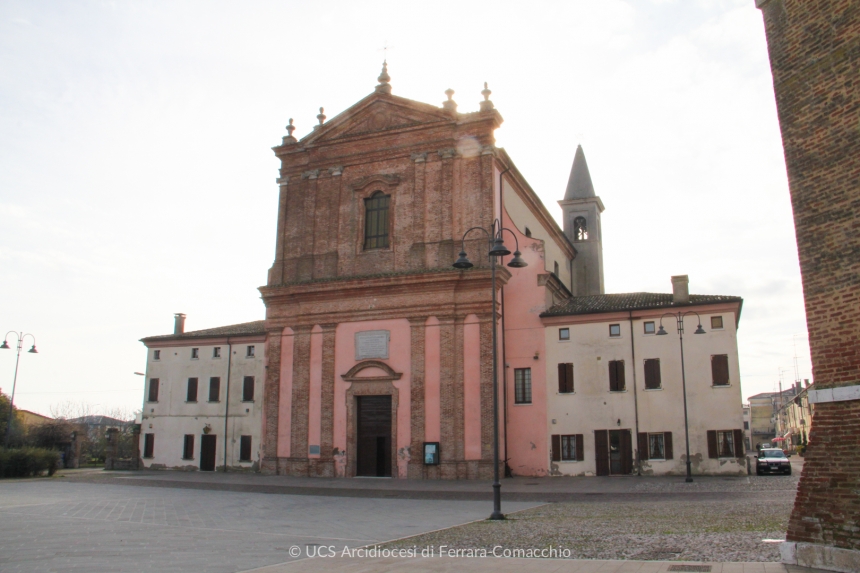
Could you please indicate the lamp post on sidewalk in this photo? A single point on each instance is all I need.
(679, 317)
(5, 346)
(497, 249)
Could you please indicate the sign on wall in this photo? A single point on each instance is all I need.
(372, 344)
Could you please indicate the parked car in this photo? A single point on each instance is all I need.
(772, 460)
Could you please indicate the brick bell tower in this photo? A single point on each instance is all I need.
(814, 49)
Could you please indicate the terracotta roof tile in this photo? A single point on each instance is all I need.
(630, 301)
(245, 328)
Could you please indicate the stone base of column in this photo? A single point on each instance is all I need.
(818, 556)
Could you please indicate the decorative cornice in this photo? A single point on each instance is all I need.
(285, 180)
(312, 174)
(336, 170)
(419, 157)
(352, 374)
(447, 153)
(384, 178)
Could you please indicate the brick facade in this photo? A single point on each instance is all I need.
(438, 167)
(814, 48)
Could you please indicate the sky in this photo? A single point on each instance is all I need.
(137, 178)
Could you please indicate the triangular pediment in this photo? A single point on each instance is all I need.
(377, 113)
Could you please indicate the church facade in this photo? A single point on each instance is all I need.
(379, 353)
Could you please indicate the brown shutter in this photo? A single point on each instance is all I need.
(740, 448)
(621, 382)
(643, 446)
(562, 378)
(720, 369)
(569, 377)
(712, 444)
(580, 448)
(667, 445)
(248, 389)
(613, 376)
(556, 448)
(601, 452)
(626, 452)
(656, 373)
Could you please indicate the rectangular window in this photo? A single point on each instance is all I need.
(725, 444)
(249, 353)
(656, 449)
(376, 221)
(746, 425)
(567, 448)
(652, 374)
(216, 352)
(191, 393)
(720, 369)
(148, 445)
(522, 386)
(716, 322)
(214, 389)
(245, 449)
(564, 334)
(614, 330)
(195, 353)
(565, 378)
(156, 354)
(655, 446)
(649, 327)
(153, 390)
(188, 447)
(616, 376)
(248, 389)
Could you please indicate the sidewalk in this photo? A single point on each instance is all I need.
(511, 565)
(513, 489)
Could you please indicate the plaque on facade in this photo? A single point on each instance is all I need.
(371, 344)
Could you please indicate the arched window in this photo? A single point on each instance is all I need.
(580, 230)
(376, 221)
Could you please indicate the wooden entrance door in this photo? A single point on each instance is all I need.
(207, 453)
(373, 436)
(613, 452)
(601, 452)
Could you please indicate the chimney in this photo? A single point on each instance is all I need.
(178, 323)
(680, 289)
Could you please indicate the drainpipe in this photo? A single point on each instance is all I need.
(504, 343)
(227, 399)
(635, 397)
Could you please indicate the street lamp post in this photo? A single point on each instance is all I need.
(497, 249)
(5, 346)
(679, 317)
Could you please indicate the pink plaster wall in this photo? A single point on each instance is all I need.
(472, 387)
(527, 447)
(285, 400)
(399, 352)
(432, 380)
(315, 389)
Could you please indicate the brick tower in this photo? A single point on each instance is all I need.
(814, 48)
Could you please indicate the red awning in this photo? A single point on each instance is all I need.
(778, 440)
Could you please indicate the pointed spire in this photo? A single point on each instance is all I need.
(384, 78)
(486, 105)
(579, 185)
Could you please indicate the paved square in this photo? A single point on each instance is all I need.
(50, 525)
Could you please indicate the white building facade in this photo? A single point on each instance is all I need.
(202, 405)
(616, 396)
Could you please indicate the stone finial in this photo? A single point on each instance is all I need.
(321, 116)
(290, 129)
(384, 78)
(450, 105)
(486, 105)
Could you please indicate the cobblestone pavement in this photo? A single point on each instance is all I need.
(53, 525)
(722, 531)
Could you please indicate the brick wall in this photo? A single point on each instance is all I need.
(814, 48)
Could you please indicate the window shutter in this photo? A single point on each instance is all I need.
(601, 452)
(613, 376)
(248, 389)
(562, 379)
(712, 444)
(580, 448)
(740, 449)
(619, 365)
(720, 369)
(192, 390)
(643, 446)
(556, 448)
(214, 389)
(569, 377)
(667, 445)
